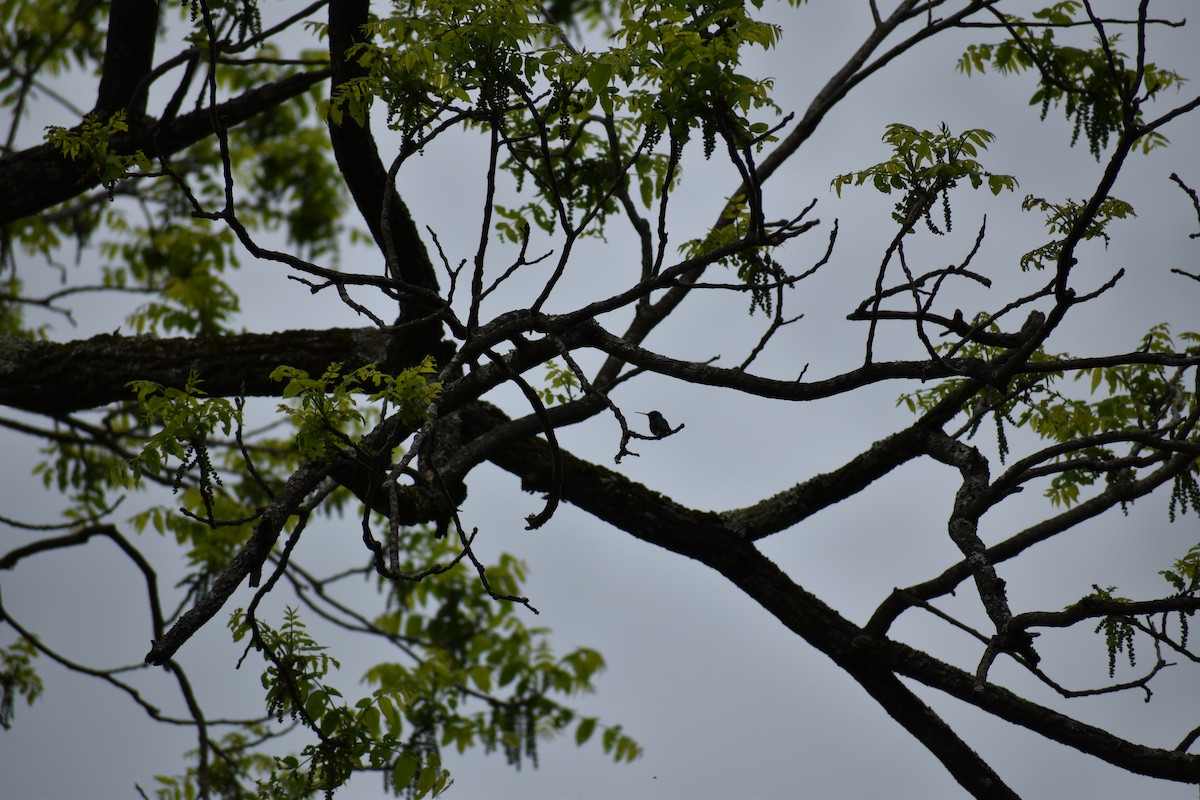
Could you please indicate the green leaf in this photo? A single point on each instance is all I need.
(482, 677)
(404, 770)
(587, 726)
(599, 75)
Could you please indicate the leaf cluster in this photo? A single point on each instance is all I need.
(1123, 397)
(18, 678)
(926, 165)
(561, 384)
(1118, 630)
(326, 407)
(755, 266)
(1093, 85)
(92, 142)
(1061, 218)
(185, 419)
(463, 651)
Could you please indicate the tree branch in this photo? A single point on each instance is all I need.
(358, 158)
(658, 520)
(48, 178)
(59, 378)
(128, 58)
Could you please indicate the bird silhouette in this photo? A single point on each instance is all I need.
(659, 425)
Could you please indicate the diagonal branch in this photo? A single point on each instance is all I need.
(248, 563)
(47, 178)
(871, 660)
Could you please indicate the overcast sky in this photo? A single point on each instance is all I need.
(725, 700)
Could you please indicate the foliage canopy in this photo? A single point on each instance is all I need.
(255, 142)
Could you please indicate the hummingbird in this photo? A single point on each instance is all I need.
(659, 425)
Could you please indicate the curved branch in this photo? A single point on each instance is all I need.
(1092, 607)
(964, 532)
(1124, 492)
(358, 159)
(10, 559)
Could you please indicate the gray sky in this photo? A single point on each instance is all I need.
(726, 702)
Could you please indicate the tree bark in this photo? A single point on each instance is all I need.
(358, 159)
(874, 661)
(47, 178)
(128, 58)
(54, 378)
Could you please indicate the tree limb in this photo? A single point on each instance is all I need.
(48, 178)
(128, 58)
(59, 378)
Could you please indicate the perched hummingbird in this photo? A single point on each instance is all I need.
(658, 424)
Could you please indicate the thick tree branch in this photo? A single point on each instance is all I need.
(358, 158)
(1006, 705)
(128, 58)
(658, 520)
(54, 378)
(798, 502)
(47, 178)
